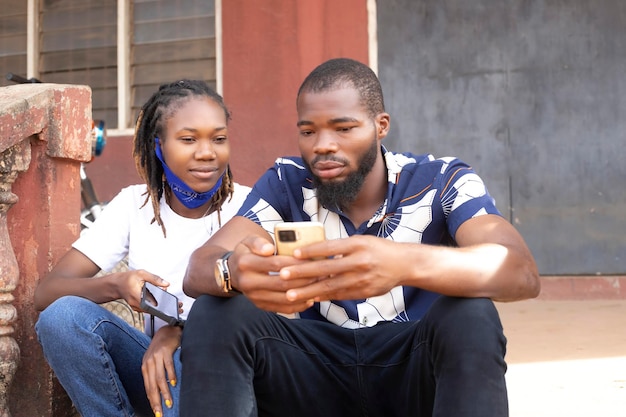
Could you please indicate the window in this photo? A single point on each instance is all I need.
(172, 39)
(80, 42)
(78, 45)
(12, 39)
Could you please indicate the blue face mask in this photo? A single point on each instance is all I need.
(185, 195)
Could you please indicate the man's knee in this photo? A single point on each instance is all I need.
(211, 309)
(456, 310)
(466, 320)
(228, 318)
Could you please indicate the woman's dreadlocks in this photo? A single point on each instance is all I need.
(150, 122)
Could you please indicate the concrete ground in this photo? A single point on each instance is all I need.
(566, 358)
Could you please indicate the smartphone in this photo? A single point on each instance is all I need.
(292, 235)
(160, 303)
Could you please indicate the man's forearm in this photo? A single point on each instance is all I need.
(486, 270)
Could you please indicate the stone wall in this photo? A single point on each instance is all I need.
(45, 133)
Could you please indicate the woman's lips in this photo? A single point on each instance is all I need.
(203, 173)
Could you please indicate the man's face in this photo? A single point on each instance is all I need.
(339, 142)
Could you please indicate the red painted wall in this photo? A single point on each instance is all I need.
(269, 46)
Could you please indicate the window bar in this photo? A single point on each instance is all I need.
(32, 39)
(123, 64)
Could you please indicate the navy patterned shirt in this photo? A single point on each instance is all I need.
(427, 200)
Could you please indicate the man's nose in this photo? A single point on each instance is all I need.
(325, 142)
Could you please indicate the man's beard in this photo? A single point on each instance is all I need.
(339, 194)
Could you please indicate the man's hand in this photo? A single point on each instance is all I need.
(255, 273)
(356, 267)
(351, 268)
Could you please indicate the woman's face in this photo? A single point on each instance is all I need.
(195, 143)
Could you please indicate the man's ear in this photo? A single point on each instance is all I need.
(383, 122)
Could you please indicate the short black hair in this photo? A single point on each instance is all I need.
(341, 72)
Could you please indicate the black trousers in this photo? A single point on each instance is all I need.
(241, 361)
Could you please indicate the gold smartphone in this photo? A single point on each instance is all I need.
(292, 235)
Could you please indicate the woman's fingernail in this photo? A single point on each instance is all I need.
(173, 382)
(168, 403)
(157, 414)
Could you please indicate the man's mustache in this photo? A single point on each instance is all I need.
(328, 158)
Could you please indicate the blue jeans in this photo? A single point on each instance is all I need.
(240, 361)
(96, 357)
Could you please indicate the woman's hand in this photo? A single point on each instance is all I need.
(157, 367)
(130, 284)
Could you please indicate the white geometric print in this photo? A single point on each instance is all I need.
(407, 225)
(410, 221)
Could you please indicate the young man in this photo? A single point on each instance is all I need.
(396, 312)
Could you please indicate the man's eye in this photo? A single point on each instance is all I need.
(345, 128)
(220, 139)
(306, 133)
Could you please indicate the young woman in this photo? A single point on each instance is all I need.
(108, 367)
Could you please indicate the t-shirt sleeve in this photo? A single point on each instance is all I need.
(106, 241)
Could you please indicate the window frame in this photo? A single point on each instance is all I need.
(124, 124)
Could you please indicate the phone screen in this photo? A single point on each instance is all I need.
(161, 305)
(161, 300)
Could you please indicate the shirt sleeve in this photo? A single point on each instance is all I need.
(272, 198)
(106, 241)
(464, 195)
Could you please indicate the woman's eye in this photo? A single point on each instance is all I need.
(187, 138)
(220, 139)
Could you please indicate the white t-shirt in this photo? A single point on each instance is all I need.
(123, 228)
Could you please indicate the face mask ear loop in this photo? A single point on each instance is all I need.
(158, 149)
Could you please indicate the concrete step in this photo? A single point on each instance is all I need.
(566, 358)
